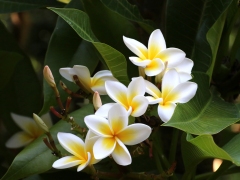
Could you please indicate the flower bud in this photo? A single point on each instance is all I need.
(97, 102)
(49, 77)
(40, 123)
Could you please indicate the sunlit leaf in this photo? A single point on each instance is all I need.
(206, 113)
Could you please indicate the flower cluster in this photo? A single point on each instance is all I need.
(109, 128)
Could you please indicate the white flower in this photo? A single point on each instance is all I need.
(131, 98)
(30, 129)
(173, 91)
(81, 152)
(115, 133)
(153, 58)
(184, 69)
(96, 83)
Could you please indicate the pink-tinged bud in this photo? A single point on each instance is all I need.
(48, 76)
(97, 102)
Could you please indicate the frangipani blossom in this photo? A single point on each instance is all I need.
(96, 83)
(115, 133)
(131, 98)
(81, 152)
(153, 58)
(173, 91)
(184, 69)
(30, 129)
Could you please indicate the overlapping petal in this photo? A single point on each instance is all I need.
(72, 144)
(139, 62)
(134, 134)
(98, 125)
(135, 88)
(117, 92)
(136, 47)
(139, 106)
(103, 147)
(155, 67)
(121, 154)
(152, 90)
(170, 80)
(104, 109)
(165, 111)
(118, 119)
(66, 73)
(84, 164)
(67, 162)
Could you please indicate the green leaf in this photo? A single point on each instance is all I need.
(22, 92)
(8, 6)
(66, 49)
(7, 67)
(37, 158)
(109, 28)
(188, 23)
(79, 21)
(131, 12)
(203, 147)
(206, 113)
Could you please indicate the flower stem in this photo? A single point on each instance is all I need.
(173, 146)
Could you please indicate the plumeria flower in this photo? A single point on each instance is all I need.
(184, 70)
(30, 129)
(131, 98)
(115, 133)
(153, 58)
(81, 152)
(173, 91)
(91, 84)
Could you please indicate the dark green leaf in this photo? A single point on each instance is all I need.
(79, 21)
(22, 93)
(8, 6)
(131, 12)
(37, 158)
(206, 113)
(66, 49)
(188, 23)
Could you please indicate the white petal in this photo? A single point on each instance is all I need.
(165, 111)
(19, 139)
(182, 93)
(103, 147)
(67, 162)
(99, 84)
(134, 134)
(102, 73)
(117, 92)
(121, 154)
(136, 87)
(83, 75)
(152, 100)
(90, 140)
(118, 118)
(170, 80)
(27, 124)
(136, 47)
(184, 77)
(152, 89)
(185, 66)
(73, 144)
(156, 43)
(173, 56)
(139, 62)
(98, 125)
(103, 110)
(139, 106)
(66, 74)
(155, 67)
(83, 165)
